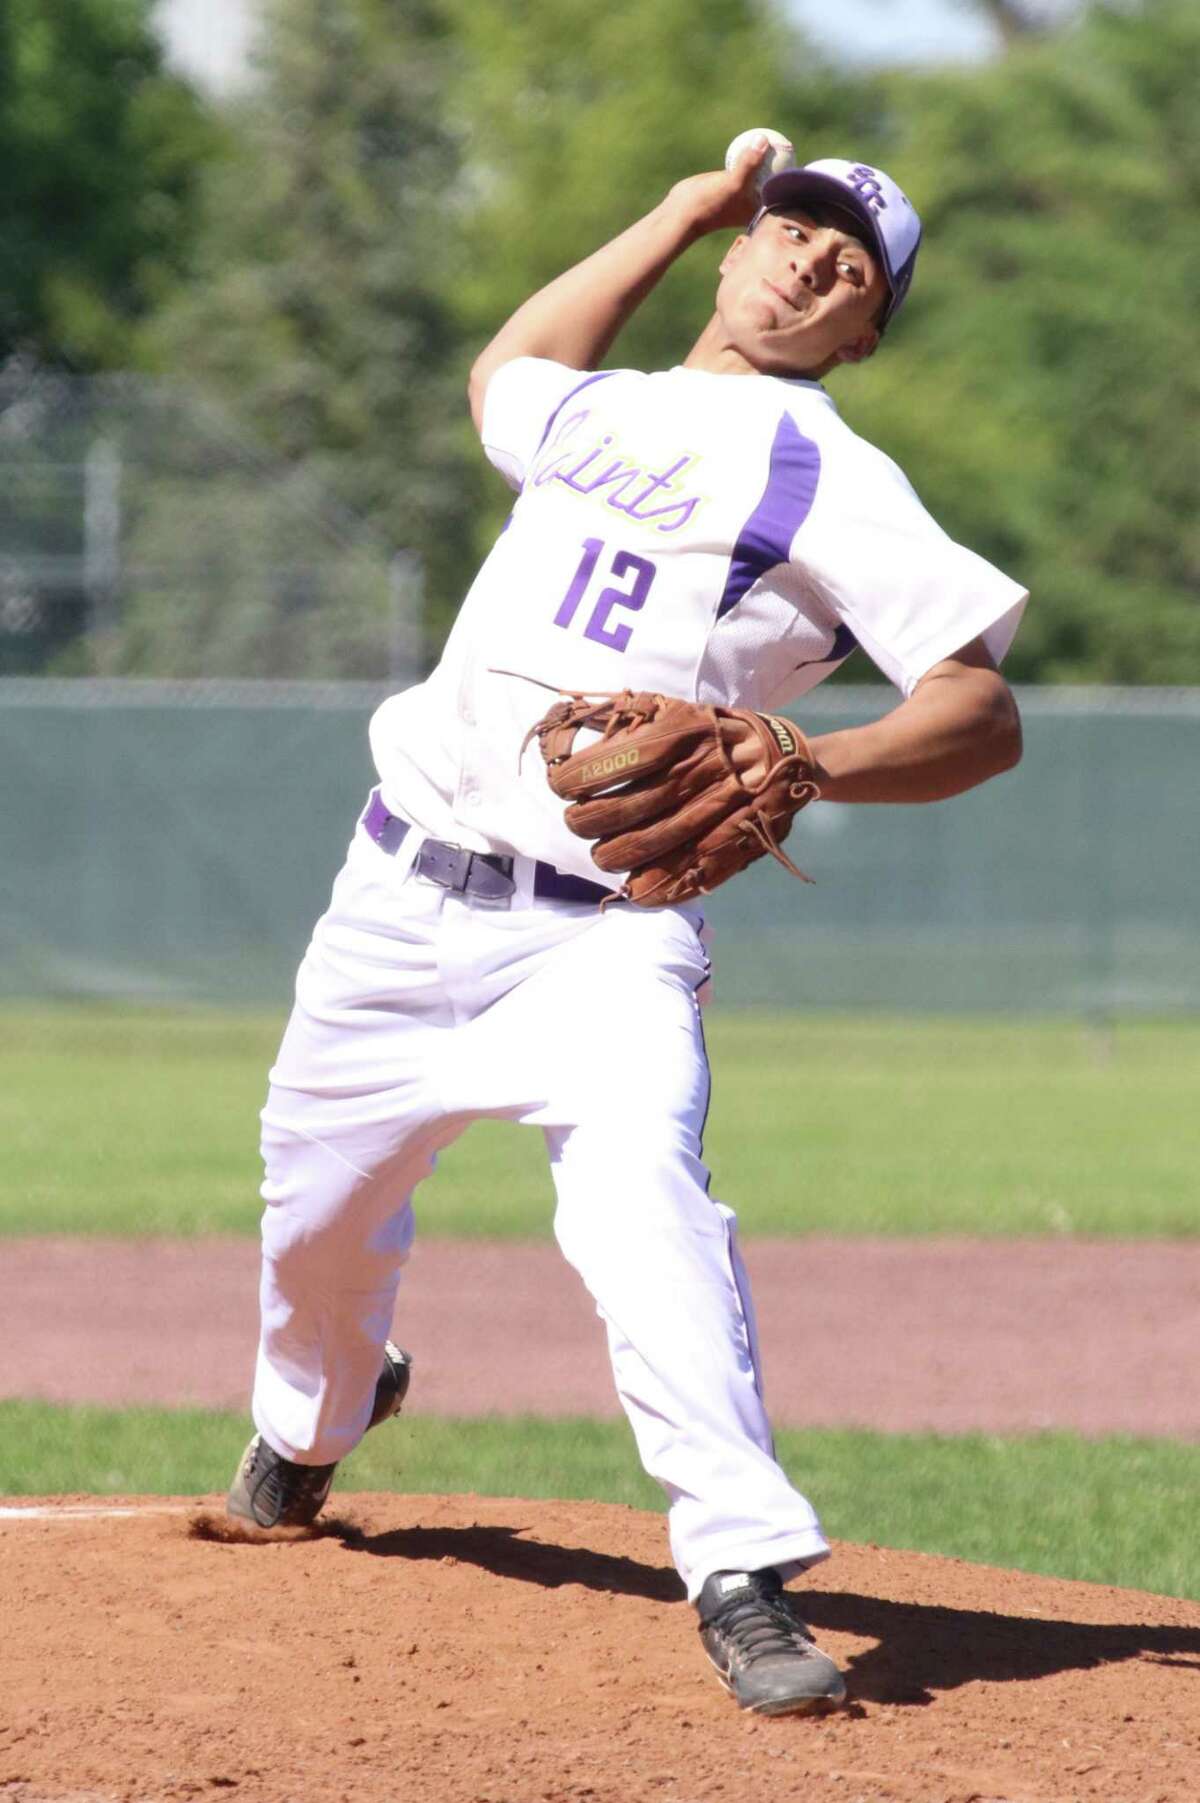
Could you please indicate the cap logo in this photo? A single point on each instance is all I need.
(868, 186)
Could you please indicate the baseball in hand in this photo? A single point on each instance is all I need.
(780, 156)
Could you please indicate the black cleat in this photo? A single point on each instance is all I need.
(764, 1655)
(269, 1491)
(392, 1387)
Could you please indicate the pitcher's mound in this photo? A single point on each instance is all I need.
(474, 1650)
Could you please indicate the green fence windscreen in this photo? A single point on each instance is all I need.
(174, 843)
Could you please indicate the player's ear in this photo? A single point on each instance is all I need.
(860, 348)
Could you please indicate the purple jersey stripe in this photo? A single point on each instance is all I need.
(844, 642)
(579, 387)
(766, 538)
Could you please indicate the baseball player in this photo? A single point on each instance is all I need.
(715, 533)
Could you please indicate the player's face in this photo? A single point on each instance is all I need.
(798, 296)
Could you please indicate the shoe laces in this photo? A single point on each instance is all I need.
(761, 1625)
(284, 1483)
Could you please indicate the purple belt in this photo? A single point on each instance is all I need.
(485, 875)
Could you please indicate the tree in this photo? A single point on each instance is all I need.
(101, 151)
(403, 178)
(1043, 389)
(318, 307)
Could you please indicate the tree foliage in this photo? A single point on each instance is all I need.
(1043, 387)
(320, 308)
(100, 149)
(402, 177)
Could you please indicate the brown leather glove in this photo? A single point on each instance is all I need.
(680, 795)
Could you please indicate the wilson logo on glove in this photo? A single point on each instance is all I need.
(783, 732)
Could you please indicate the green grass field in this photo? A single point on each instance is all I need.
(145, 1122)
(1118, 1511)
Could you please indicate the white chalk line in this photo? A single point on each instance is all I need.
(86, 1511)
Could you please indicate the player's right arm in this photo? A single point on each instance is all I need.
(576, 317)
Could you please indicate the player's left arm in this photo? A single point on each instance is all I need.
(959, 727)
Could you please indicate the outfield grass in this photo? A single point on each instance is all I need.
(1118, 1511)
(143, 1122)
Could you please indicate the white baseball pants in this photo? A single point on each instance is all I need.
(418, 1011)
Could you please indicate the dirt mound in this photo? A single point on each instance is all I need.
(475, 1650)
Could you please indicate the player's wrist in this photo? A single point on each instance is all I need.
(681, 218)
(718, 200)
(828, 764)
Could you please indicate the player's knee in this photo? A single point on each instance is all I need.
(327, 1238)
(635, 1188)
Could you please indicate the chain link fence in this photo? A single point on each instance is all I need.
(142, 533)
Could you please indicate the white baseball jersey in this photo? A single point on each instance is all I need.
(717, 537)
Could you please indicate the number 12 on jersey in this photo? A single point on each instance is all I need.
(624, 564)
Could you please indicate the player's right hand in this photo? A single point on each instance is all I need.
(722, 199)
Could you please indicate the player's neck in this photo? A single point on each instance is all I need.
(714, 353)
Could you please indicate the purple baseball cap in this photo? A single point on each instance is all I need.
(891, 220)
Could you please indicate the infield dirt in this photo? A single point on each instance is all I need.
(482, 1650)
(948, 1335)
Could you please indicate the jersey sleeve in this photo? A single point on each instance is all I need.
(523, 399)
(910, 595)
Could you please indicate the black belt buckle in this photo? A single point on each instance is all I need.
(483, 876)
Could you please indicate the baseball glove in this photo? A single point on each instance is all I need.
(680, 795)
